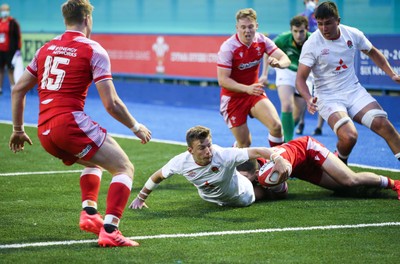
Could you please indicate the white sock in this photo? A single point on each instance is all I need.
(384, 181)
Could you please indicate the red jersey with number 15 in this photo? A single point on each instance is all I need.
(65, 67)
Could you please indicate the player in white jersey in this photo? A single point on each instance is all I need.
(212, 170)
(339, 97)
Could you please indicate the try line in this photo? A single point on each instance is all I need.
(203, 234)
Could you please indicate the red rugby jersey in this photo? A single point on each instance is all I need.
(65, 68)
(243, 60)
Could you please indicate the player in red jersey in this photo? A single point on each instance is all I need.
(10, 44)
(64, 68)
(311, 161)
(242, 93)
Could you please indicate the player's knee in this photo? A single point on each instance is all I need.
(126, 167)
(244, 143)
(375, 118)
(286, 106)
(349, 139)
(130, 168)
(340, 123)
(275, 128)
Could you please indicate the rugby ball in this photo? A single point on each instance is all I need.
(267, 176)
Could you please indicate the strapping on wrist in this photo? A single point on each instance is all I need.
(136, 127)
(275, 157)
(150, 185)
(18, 129)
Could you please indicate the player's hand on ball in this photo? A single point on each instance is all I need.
(274, 173)
(284, 168)
(138, 204)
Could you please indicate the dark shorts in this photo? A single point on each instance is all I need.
(6, 58)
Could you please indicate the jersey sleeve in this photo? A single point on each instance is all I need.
(362, 42)
(32, 66)
(100, 62)
(173, 166)
(225, 56)
(270, 46)
(232, 156)
(307, 56)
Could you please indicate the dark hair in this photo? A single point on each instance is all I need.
(75, 11)
(197, 133)
(326, 10)
(297, 21)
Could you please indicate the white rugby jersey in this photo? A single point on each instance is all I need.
(216, 182)
(332, 61)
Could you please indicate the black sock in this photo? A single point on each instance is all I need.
(90, 210)
(110, 228)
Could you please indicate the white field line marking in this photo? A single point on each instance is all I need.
(203, 234)
(37, 173)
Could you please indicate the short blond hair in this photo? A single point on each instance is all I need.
(75, 11)
(197, 133)
(246, 13)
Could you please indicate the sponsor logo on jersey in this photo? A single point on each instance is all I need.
(325, 52)
(342, 65)
(71, 52)
(244, 66)
(84, 152)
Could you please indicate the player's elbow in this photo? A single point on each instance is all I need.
(112, 107)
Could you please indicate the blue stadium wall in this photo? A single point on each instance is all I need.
(201, 16)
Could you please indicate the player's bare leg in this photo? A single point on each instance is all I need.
(242, 136)
(345, 177)
(299, 111)
(346, 133)
(381, 125)
(112, 158)
(266, 113)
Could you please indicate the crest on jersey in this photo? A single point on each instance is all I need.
(349, 44)
(215, 169)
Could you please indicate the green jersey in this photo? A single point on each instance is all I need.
(287, 44)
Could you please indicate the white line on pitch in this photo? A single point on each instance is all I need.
(37, 173)
(203, 234)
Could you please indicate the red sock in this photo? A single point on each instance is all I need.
(390, 183)
(118, 194)
(90, 183)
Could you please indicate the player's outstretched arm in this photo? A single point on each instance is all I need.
(380, 60)
(301, 85)
(150, 185)
(18, 139)
(118, 110)
(18, 93)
